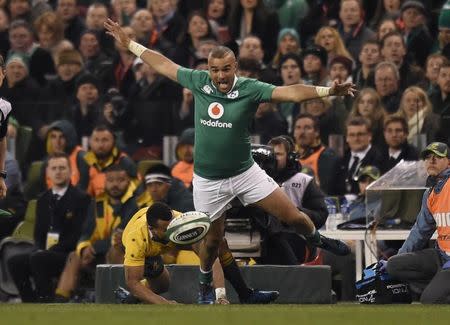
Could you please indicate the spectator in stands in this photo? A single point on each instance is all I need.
(369, 57)
(170, 23)
(19, 9)
(96, 62)
(396, 136)
(352, 26)
(251, 48)
(427, 270)
(20, 89)
(198, 28)
(282, 245)
(254, 18)
(385, 10)
(4, 38)
(443, 38)
(217, 13)
(50, 33)
(160, 186)
(313, 154)
(183, 169)
(315, 61)
(387, 80)
(416, 34)
(73, 24)
(268, 122)
(386, 26)
(56, 98)
(62, 138)
(432, 67)
(85, 114)
(249, 68)
(288, 42)
(359, 154)
(440, 101)
(393, 49)
(329, 38)
(125, 10)
(112, 210)
(104, 154)
(60, 213)
(39, 61)
(416, 108)
(368, 105)
(96, 15)
(290, 70)
(340, 68)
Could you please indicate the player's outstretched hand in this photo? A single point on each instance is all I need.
(114, 29)
(343, 89)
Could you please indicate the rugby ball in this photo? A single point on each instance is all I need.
(188, 228)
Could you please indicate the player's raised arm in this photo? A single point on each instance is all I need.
(298, 93)
(157, 61)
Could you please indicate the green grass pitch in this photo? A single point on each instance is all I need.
(85, 314)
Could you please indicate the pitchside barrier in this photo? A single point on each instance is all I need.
(296, 284)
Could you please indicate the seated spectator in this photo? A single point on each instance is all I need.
(268, 122)
(183, 169)
(329, 38)
(385, 10)
(288, 42)
(60, 213)
(111, 211)
(217, 13)
(432, 66)
(170, 24)
(369, 57)
(96, 15)
(73, 24)
(386, 26)
(62, 138)
(19, 9)
(313, 154)
(440, 101)
(387, 81)
(427, 270)
(160, 186)
(315, 61)
(368, 105)
(104, 154)
(397, 149)
(360, 153)
(249, 68)
(416, 108)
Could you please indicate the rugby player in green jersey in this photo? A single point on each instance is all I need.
(223, 164)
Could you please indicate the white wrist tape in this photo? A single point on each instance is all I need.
(221, 293)
(136, 48)
(323, 91)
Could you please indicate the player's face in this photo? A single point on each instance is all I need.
(435, 165)
(222, 72)
(116, 183)
(58, 171)
(159, 230)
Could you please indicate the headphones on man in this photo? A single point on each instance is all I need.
(292, 160)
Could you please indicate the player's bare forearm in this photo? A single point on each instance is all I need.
(133, 277)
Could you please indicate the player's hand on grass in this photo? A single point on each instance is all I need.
(342, 89)
(114, 29)
(222, 301)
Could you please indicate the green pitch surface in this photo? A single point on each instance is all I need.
(84, 314)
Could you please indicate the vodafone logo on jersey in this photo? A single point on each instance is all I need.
(215, 110)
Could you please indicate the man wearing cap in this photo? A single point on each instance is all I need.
(315, 60)
(427, 270)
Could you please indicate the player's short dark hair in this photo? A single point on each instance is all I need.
(158, 211)
(315, 120)
(396, 119)
(220, 52)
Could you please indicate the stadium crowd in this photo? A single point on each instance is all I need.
(94, 115)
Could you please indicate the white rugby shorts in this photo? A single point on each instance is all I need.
(213, 197)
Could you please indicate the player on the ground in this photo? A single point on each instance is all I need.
(5, 109)
(223, 165)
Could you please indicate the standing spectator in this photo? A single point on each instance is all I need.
(398, 148)
(111, 210)
(73, 24)
(288, 42)
(352, 27)
(170, 23)
(416, 108)
(315, 59)
(387, 80)
(329, 38)
(252, 17)
(60, 213)
(50, 33)
(416, 33)
(323, 161)
(96, 15)
(427, 270)
(359, 154)
(40, 62)
(217, 13)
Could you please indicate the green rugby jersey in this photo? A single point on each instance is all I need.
(222, 137)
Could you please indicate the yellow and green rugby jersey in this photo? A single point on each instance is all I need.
(222, 137)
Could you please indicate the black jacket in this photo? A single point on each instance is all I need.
(409, 152)
(65, 216)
